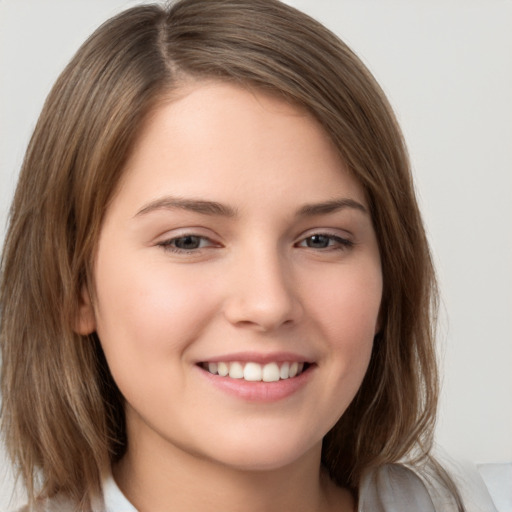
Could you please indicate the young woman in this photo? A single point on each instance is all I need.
(216, 288)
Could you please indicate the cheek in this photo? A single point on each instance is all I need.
(146, 311)
(348, 306)
(346, 313)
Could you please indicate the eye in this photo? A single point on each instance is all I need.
(186, 243)
(325, 241)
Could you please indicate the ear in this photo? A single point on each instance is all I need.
(85, 323)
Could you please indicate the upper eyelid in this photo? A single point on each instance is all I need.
(198, 231)
(331, 232)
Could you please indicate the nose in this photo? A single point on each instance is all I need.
(262, 293)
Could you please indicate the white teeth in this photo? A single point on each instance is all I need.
(222, 369)
(236, 371)
(254, 372)
(270, 373)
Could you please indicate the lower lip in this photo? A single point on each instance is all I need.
(259, 391)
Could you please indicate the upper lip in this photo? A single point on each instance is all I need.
(258, 357)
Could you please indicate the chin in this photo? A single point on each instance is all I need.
(269, 455)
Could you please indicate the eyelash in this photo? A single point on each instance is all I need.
(336, 243)
(168, 244)
(340, 243)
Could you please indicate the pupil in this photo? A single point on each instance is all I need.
(318, 241)
(187, 242)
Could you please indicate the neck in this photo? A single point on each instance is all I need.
(180, 481)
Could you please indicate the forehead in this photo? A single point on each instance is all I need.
(223, 108)
(212, 138)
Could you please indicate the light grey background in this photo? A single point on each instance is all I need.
(447, 68)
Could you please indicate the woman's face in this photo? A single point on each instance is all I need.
(237, 243)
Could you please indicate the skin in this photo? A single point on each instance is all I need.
(258, 280)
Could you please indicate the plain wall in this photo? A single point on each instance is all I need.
(447, 68)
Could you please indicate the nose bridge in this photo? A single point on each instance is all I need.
(262, 292)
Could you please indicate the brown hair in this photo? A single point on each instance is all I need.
(62, 414)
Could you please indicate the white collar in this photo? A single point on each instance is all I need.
(115, 500)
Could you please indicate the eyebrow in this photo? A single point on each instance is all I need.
(193, 205)
(218, 209)
(326, 207)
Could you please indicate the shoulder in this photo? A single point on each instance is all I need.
(469, 482)
(59, 503)
(401, 488)
(56, 504)
(113, 501)
(394, 488)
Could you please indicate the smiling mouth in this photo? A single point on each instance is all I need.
(255, 372)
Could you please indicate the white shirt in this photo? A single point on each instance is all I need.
(391, 488)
